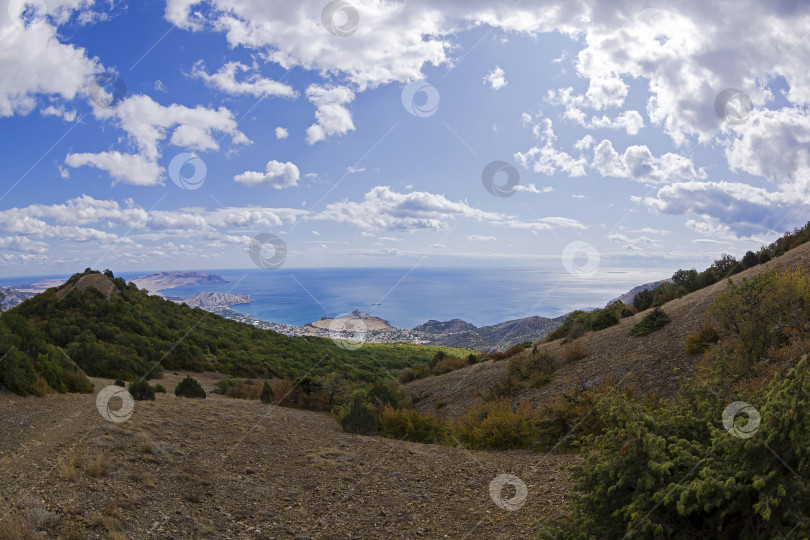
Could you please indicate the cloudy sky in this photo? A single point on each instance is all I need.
(167, 134)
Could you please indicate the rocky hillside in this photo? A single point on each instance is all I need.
(627, 298)
(649, 363)
(459, 333)
(215, 299)
(13, 297)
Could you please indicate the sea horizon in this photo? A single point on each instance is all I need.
(481, 296)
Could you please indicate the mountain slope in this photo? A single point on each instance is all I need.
(112, 329)
(649, 363)
(459, 333)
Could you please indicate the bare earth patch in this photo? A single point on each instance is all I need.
(223, 468)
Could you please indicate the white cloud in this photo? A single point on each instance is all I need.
(276, 175)
(35, 62)
(148, 123)
(383, 208)
(531, 188)
(738, 207)
(225, 80)
(331, 115)
(131, 169)
(496, 78)
(548, 160)
(480, 238)
(50, 110)
(641, 243)
(637, 163)
(282, 133)
(776, 146)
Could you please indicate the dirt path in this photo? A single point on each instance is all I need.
(223, 468)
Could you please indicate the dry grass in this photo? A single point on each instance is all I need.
(145, 445)
(39, 518)
(574, 352)
(67, 470)
(98, 465)
(17, 528)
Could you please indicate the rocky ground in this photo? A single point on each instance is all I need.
(224, 468)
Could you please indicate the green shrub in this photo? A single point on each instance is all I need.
(496, 425)
(534, 370)
(76, 381)
(677, 472)
(700, 340)
(159, 388)
(411, 426)
(189, 388)
(361, 417)
(223, 385)
(655, 320)
(119, 382)
(141, 391)
(17, 374)
(267, 393)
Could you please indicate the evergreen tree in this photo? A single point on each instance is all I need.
(267, 393)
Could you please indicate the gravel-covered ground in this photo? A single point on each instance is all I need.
(224, 468)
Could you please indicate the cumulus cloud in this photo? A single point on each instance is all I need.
(383, 208)
(630, 120)
(331, 115)
(744, 209)
(276, 174)
(546, 159)
(640, 243)
(282, 133)
(35, 62)
(131, 169)
(496, 78)
(148, 124)
(638, 163)
(225, 80)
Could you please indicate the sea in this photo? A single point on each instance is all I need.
(407, 297)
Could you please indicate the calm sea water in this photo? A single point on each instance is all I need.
(407, 297)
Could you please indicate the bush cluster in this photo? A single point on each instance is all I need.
(189, 388)
(687, 281)
(655, 320)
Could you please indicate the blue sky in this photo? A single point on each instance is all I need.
(608, 117)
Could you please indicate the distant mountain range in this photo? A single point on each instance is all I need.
(459, 333)
(168, 280)
(627, 298)
(13, 297)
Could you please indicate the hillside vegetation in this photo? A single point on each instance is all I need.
(100, 325)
